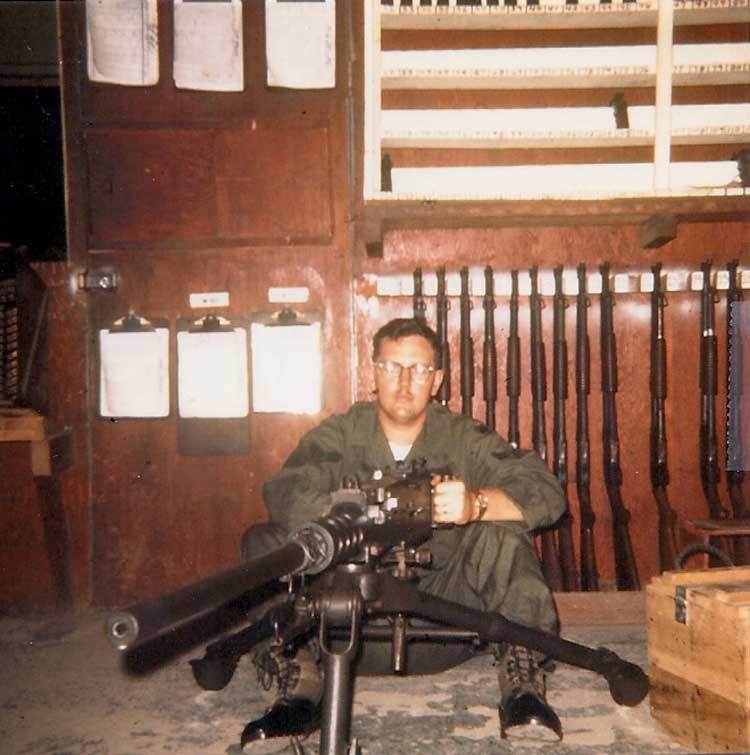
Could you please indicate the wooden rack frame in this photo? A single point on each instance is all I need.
(661, 66)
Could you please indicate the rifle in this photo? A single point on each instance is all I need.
(559, 434)
(418, 302)
(709, 380)
(489, 364)
(345, 552)
(444, 392)
(467, 347)
(709, 451)
(513, 366)
(589, 572)
(550, 558)
(735, 473)
(659, 469)
(626, 571)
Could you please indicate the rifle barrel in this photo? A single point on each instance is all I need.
(489, 363)
(626, 571)
(559, 435)
(513, 366)
(467, 347)
(589, 571)
(550, 555)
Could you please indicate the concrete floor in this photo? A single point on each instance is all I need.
(63, 691)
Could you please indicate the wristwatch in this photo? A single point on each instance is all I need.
(483, 504)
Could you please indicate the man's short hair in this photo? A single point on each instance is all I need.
(402, 327)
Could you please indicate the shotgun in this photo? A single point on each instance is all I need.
(513, 366)
(626, 571)
(550, 558)
(467, 347)
(668, 548)
(444, 392)
(589, 572)
(709, 451)
(489, 364)
(559, 434)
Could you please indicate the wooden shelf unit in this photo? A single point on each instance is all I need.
(607, 69)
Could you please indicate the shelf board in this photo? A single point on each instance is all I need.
(556, 15)
(383, 215)
(586, 67)
(527, 128)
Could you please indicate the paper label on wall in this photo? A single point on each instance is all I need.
(212, 376)
(122, 44)
(134, 373)
(287, 372)
(208, 45)
(301, 43)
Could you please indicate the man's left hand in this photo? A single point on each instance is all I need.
(452, 502)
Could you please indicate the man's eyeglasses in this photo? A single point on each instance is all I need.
(418, 372)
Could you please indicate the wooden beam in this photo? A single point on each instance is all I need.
(601, 608)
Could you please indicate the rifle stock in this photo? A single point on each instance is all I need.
(489, 363)
(626, 571)
(550, 557)
(467, 347)
(513, 366)
(559, 435)
(589, 571)
(658, 452)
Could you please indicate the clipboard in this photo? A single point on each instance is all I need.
(287, 362)
(134, 368)
(213, 404)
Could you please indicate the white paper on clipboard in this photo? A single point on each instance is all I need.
(134, 373)
(301, 43)
(208, 45)
(287, 370)
(212, 375)
(122, 44)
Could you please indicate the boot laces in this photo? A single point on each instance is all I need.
(522, 670)
(276, 665)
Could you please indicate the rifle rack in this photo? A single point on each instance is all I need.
(634, 281)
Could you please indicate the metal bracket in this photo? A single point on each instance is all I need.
(98, 280)
(680, 603)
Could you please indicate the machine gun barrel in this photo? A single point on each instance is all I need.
(339, 536)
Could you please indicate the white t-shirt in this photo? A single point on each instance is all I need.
(400, 451)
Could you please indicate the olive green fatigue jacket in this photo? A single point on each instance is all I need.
(474, 564)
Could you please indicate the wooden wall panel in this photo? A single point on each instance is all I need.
(150, 185)
(274, 184)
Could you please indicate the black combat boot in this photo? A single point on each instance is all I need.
(295, 711)
(524, 711)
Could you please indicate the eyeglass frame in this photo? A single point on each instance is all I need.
(418, 378)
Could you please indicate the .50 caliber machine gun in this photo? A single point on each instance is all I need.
(363, 555)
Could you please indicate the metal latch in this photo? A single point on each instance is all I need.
(680, 603)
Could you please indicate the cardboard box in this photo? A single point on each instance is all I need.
(699, 657)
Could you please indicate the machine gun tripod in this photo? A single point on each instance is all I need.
(348, 550)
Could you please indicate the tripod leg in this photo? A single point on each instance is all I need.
(337, 690)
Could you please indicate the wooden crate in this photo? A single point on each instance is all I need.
(699, 657)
